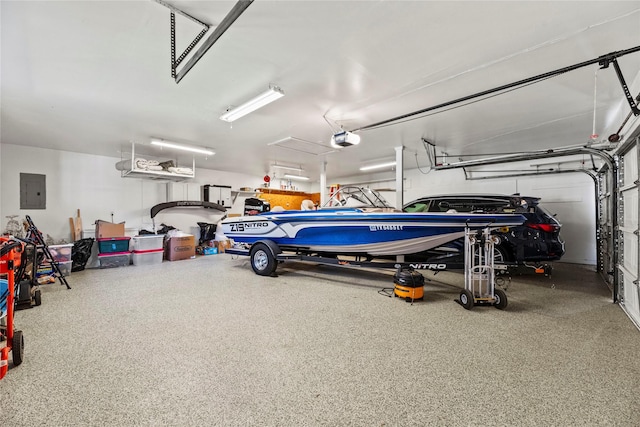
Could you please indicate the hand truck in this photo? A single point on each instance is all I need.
(479, 271)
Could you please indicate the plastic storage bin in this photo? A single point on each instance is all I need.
(65, 267)
(148, 242)
(61, 253)
(153, 256)
(118, 259)
(112, 245)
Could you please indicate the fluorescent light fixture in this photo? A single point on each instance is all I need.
(291, 168)
(168, 144)
(378, 166)
(296, 177)
(261, 100)
(344, 139)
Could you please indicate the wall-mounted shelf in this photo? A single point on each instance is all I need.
(129, 168)
(288, 199)
(243, 193)
(284, 192)
(156, 175)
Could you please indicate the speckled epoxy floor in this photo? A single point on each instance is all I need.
(207, 342)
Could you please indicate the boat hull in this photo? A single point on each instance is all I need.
(358, 232)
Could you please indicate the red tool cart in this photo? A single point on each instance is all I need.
(10, 339)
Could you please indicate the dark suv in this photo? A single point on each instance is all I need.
(536, 241)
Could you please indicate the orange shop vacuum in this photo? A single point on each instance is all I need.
(409, 284)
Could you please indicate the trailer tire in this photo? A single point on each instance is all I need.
(466, 299)
(17, 347)
(263, 261)
(500, 299)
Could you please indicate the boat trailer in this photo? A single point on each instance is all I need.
(481, 272)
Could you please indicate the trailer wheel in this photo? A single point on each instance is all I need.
(263, 261)
(466, 299)
(500, 299)
(17, 347)
(37, 297)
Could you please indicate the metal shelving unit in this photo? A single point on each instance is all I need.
(135, 172)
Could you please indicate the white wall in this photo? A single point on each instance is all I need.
(570, 196)
(93, 185)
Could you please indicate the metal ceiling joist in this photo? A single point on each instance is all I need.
(228, 20)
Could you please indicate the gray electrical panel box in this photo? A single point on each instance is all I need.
(33, 191)
(220, 194)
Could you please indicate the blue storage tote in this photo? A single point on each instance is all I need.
(110, 245)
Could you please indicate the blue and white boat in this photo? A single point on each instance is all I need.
(359, 221)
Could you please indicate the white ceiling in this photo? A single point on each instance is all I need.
(92, 76)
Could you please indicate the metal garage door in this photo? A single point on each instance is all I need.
(629, 242)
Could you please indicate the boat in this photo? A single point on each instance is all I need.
(358, 221)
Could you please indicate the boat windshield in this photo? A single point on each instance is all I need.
(357, 197)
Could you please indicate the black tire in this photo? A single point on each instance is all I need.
(263, 261)
(466, 299)
(500, 255)
(500, 299)
(37, 297)
(17, 347)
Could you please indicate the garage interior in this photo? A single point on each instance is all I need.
(535, 98)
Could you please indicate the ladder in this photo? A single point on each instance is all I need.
(35, 236)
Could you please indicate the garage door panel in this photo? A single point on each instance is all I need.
(630, 160)
(604, 213)
(630, 207)
(631, 299)
(629, 244)
(630, 251)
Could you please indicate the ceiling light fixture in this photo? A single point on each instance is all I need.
(291, 168)
(296, 177)
(378, 166)
(344, 139)
(168, 144)
(261, 100)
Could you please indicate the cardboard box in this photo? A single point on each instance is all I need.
(222, 245)
(106, 229)
(180, 247)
